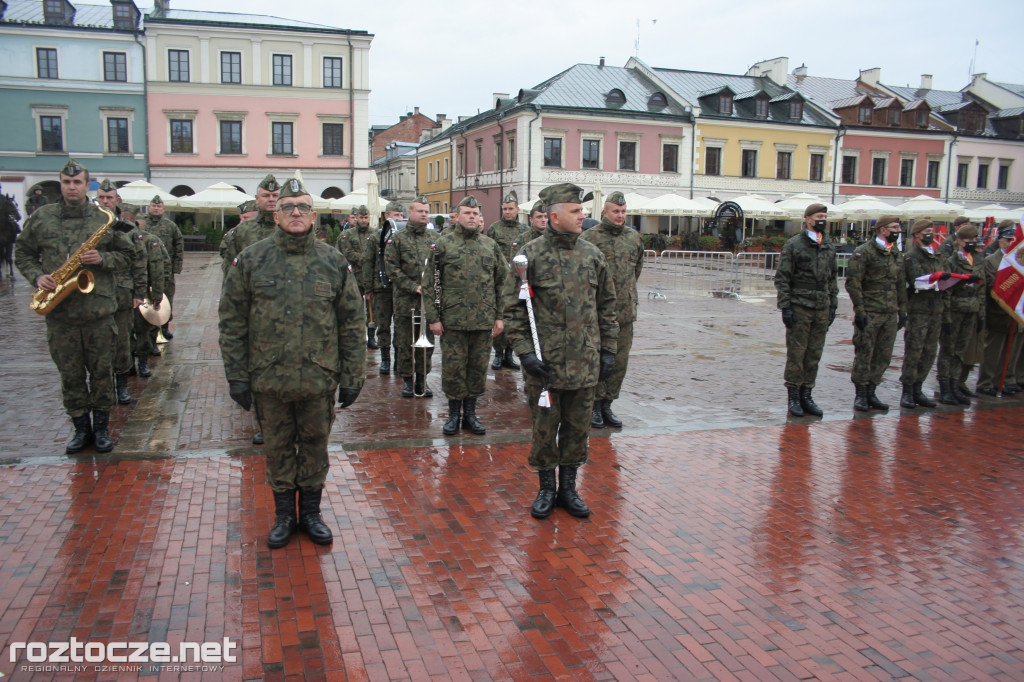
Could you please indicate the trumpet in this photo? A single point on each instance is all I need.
(422, 341)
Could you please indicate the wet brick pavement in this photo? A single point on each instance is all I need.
(727, 542)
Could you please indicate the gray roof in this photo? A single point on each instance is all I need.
(584, 86)
(1013, 87)
(824, 91)
(1008, 113)
(185, 16)
(31, 12)
(935, 98)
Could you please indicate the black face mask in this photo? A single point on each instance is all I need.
(969, 247)
(892, 237)
(927, 239)
(819, 225)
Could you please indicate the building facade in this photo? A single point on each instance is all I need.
(434, 173)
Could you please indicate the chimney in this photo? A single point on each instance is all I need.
(800, 71)
(870, 76)
(415, 111)
(926, 81)
(161, 6)
(403, 117)
(440, 118)
(775, 69)
(601, 63)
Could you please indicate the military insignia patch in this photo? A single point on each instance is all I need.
(235, 261)
(350, 268)
(322, 288)
(294, 185)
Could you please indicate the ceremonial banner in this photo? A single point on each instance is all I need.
(1008, 289)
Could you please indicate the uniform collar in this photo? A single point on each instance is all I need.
(416, 229)
(266, 218)
(510, 223)
(69, 211)
(294, 243)
(561, 240)
(612, 227)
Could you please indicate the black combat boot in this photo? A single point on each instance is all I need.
(795, 408)
(958, 394)
(451, 427)
(873, 400)
(907, 399)
(155, 349)
(544, 504)
(144, 371)
(946, 396)
(285, 521)
(807, 402)
(920, 398)
(469, 420)
(257, 438)
(100, 434)
(608, 416)
(421, 387)
(596, 418)
(385, 360)
(567, 497)
(860, 403)
(509, 360)
(407, 387)
(132, 371)
(83, 434)
(371, 339)
(121, 386)
(310, 520)
(499, 357)
(166, 329)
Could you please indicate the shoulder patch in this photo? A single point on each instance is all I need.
(350, 267)
(234, 261)
(857, 255)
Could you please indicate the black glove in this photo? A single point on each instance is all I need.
(981, 324)
(901, 321)
(944, 276)
(973, 279)
(533, 366)
(831, 316)
(607, 365)
(347, 396)
(946, 329)
(241, 393)
(861, 321)
(788, 317)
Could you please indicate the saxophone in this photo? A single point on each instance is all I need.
(71, 276)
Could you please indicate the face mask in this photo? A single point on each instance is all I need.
(969, 247)
(819, 225)
(892, 237)
(928, 239)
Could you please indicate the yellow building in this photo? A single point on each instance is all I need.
(434, 174)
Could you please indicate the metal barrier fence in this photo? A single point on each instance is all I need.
(718, 273)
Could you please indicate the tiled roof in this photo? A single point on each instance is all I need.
(31, 12)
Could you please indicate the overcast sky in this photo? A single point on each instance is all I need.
(449, 57)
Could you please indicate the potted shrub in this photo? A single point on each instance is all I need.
(775, 243)
(709, 243)
(675, 243)
(753, 244)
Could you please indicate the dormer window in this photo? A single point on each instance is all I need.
(865, 114)
(124, 17)
(796, 109)
(658, 99)
(725, 103)
(761, 107)
(922, 118)
(53, 11)
(615, 96)
(894, 116)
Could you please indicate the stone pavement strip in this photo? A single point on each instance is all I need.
(727, 542)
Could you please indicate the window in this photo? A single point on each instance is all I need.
(796, 109)
(713, 161)
(961, 174)
(658, 99)
(332, 72)
(51, 130)
(177, 66)
(1003, 180)
(53, 10)
(181, 136)
(334, 139)
(281, 142)
(430, 171)
(817, 167)
(231, 67)
(922, 118)
(761, 107)
(497, 153)
(479, 158)
(906, 173)
(725, 104)
(553, 152)
(865, 114)
(894, 116)
(117, 135)
(115, 67)
(670, 158)
(748, 167)
(615, 96)
(511, 154)
(230, 137)
(783, 164)
(878, 171)
(460, 159)
(627, 155)
(591, 154)
(446, 169)
(850, 170)
(282, 69)
(46, 62)
(123, 18)
(933, 173)
(982, 176)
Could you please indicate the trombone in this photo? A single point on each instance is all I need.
(421, 341)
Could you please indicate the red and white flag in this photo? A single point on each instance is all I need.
(1008, 289)
(934, 281)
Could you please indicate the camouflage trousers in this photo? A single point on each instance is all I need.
(405, 334)
(145, 335)
(295, 435)
(169, 290)
(382, 312)
(123, 350)
(872, 348)
(560, 432)
(84, 355)
(920, 346)
(609, 388)
(953, 346)
(1000, 349)
(805, 341)
(464, 357)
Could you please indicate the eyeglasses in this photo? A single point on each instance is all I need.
(288, 209)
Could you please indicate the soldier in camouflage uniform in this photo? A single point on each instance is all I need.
(509, 234)
(624, 254)
(405, 259)
(574, 307)
(158, 273)
(963, 314)
(998, 324)
(377, 289)
(247, 233)
(471, 271)
(538, 222)
(291, 333)
(808, 296)
(922, 270)
(247, 210)
(80, 330)
(353, 245)
(170, 235)
(878, 289)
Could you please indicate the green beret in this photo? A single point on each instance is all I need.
(967, 231)
(269, 183)
(617, 198)
(107, 186)
(815, 208)
(921, 225)
(957, 222)
(362, 210)
(130, 208)
(537, 206)
(887, 220)
(564, 193)
(156, 199)
(291, 188)
(393, 206)
(469, 201)
(72, 168)
(511, 198)
(247, 207)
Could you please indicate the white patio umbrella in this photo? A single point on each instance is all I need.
(923, 206)
(708, 202)
(220, 197)
(864, 207)
(756, 206)
(635, 201)
(673, 204)
(141, 192)
(798, 203)
(598, 204)
(993, 211)
(351, 201)
(373, 199)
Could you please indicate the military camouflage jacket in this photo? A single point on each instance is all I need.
(131, 280)
(170, 235)
(56, 231)
(405, 257)
(158, 267)
(370, 280)
(917, 263)
(245, 235)
(875, 280)
(623, 252)
(472, 272)
(291, 319)
(352, 244)
(509, 236)
(574, 305)
(807, 273)
(965, 297)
